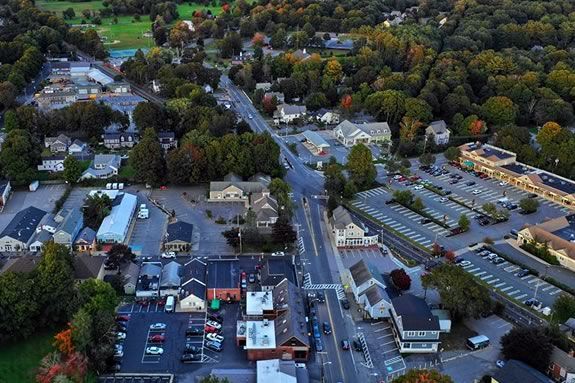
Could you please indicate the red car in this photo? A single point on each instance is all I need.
(163, 188)
(122, 318)
(156, 338)
(144, 303)
(211, 329)
(414, 178)
(402, 178)
(161, 302)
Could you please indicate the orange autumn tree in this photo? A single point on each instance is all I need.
(346, 102)
(423, 376)
(63, 341)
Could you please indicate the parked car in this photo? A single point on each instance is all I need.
(345, 344)
(122, 318)
(169, 254)
(531, 195)
(215, 337)
(476, 192)
(216, 317)
(190, 358)
(252, 278)
(357, 345)
(190, 349)
(498, 260)
(464, 263)
(423, 221)
(211, 329)
(345, 303)
(523, 273)
(453, 182)
(214, 346)
(194, 331)
(326, 328)
(158, 326)
(500, 363)
(153, 350)
(443, 199)
(418, 187)
(278, 254)
(470, 183)
(318, 344)
(156, 338)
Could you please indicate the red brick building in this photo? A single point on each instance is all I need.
(223, 280)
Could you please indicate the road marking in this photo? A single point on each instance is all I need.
(513, 293)
(499, 285)
(479, 273)
(471, 271)
(507, 288)
(555, 292)
(521, 296)
(486, 277)
(547, 288)
(334, 337)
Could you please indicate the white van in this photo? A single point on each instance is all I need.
(170, 304)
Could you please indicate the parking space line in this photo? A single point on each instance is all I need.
(513, 293)
(547, 288)
(479, 273)
(507, 288)
(473, 270)
(521, 296)
(555, 292)
(499, 285)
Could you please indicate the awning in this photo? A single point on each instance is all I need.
(468, 163)
(215, 305)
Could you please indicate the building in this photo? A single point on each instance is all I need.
(415, 328)
(265, 86)
(375, 302)
(57, 144)
(114, 227)
(5, 189)
(350, 134)
(148, 285)
(119, 140)
(130, 272)
(301, 55)
(103, 166)
(23, 264)
(557, 234)
(265, 208)
(360, 277)
(19, 233)
(69, 228)
(233, 189)
(179, 237)
(562, 366)
(192, 295)
(53, 163)
(77, 146)
(502, 164)
(568, 328)
(39, 239)
(315, 143)
(515, 371)
(349, 231)
(275, 270)
(85, 241)
(88, 267)
(277, 371)
(280, 97)
(70, 68)
(438, 131)
(328, 117)
(287, 113)
(223, 280)
(119, 87)
(170, 280)
(168, 140)
(339, 45)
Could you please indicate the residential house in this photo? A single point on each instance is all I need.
(287, 113)
(39, 239)
(119, 140)
(85, 241)
(562, 366)
(233, 189)
(148, 285)
(568, 328)
(438, 132)
(223, 280)
(275, 270)
(53, 163)
(103, 166)
(415, 328)
(130, 272)
(114, 227)
(301, 55)
(77, 146)
(361, 276)
(87, 267)
(69, 228)
(376, 302)
(328, 117)
(57, 144)
(23, 264)
(266, 209)
(179, 237)
(19, 233)
(265, 86)
(350, 134)
(170, 279)
(192, 295)
(168, 140)
(5, 189)
(349, 231)
(515, 371)
(280, 97)
(337, 44)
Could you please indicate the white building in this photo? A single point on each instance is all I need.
(438, 132)
(104, 166)
(348, 231)
(114, 227)
(350, 134)
(287, 113)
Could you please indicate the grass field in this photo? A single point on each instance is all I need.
(127, 33)
(18, 361)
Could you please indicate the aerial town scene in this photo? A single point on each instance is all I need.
(287, 191)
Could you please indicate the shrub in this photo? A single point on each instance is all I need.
(400, 279)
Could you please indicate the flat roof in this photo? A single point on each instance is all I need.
(259, 301)
(567, 232)
(489, 151)
(316, 139)
(260, 335)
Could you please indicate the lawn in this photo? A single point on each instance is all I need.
(18, 361)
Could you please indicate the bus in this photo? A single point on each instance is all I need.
(477, 342)
(170, 302)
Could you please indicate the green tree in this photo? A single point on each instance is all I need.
(149, 115)
(147, 159)
(452, 153)
(81, 330)
(68, 13)
(459, 292)
(96, 208)
(11, 120)
(427, 159)
(403, 197)
(490, 209)
(283, 232)
(214, 379)
(72, 169)
(499, 110)
(281, 191)
(120, 253)
(463, 222)
(278, 39)
(360, 166)
(418, 109)
(423, 376)
(529, 205)
(528, 344)
(19, 157)
(418, 205)
(334, 180)
(8, 94)
(563, 308)
(18, 304)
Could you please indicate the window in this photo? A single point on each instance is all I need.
(407, 345)
(411, 333)
(421, 333)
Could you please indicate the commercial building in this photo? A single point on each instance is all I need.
(502, 164)
(315, 142)
(233, 189)
(170, 279)
(148, 284)
(70, 223)
(19, 233)
(557, 234)
(350, 134)
(192, 295)
(223, 280)
(179, 237)
(349, 231)
(114, 227)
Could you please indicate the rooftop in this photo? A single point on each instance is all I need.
(223, 274)
(24, 224)
(180, 231)
(120, 216)
(87, 266)
(315, 138)
(261, 334)
(276, 371)
(515, 371)
(415, 313)
(259, 301)
(559, 233)
(362, 272)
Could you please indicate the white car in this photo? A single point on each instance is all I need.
(397, 176)
(215, 337)
(502, 183)
(120, 335)
(158, 326)
(443, 199)
(278, 254)
(476, 191)
(250, 116)
(500, 363)
(154, 350)
(464, 263)
(418, 187)
(214, 324)
(169, 254)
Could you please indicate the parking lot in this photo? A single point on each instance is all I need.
(147, 234)
(139, 378)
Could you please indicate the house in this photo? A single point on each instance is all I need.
(223, 280)
(561, 366)
(119, 87)
(340, 45)
(57, 144)
(148, 284)
(85, 241)
(5, 189)
(329, 118)
(118, 140)
(375, 302)
(232, 189)
(280, 97)
(130, 272)
(438, 131)
(287, 113)
(301, 55)
(515, 371)
(276, 370)
(275, 270)
(349, 231)
(39, 239)
(415, 328)
(69, 228)
(19, 233)
(87, 267)
(53, 163)
(265, 86)
(266, 209)
(568, 328)
(350, 134)
(77, 146)
(103, 166)
(114, 227)
(23, 264)
(193, 289)
(179, 237)
(315, 143)
(361, 276)
(170, 279)
(168, 140)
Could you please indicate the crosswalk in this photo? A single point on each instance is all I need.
(308, 285)
(397, 226)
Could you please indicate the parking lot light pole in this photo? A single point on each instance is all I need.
(537, 286)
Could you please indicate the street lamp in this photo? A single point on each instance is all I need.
(323, 370)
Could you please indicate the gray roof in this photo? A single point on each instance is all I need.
(350, 129)
(24, 264)
(24, 224)
(87, 266)
(246, 187)
(339, 44)
(166, 134)
(515, 371)
(41, 236)
(438, 127)
(180, 231)
(291, 323)
(265, 207)
(316, 139)
(361, 272)
(130, 271)
(415, 313)
(561, 358)
(61, 138)
(3, 185)
(194, 277)
(107, 160)
(292, 109)
(376, 294)
(86, 235)
(171, 275)
(70, 222)
(150, 270)
(341, 217)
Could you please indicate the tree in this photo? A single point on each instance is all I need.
(528, 344)
(230, 45)
(18, 304)
(450, 256)
(463, 222)
(149, 115)
(360, 166)
(490, 209)
(72, 169)
(269, 104)
(96, 208)
(282, 231)
(232, 236)
(68, 14)
(120, 253)
(529, 205)
(418, 205)
(459, 292)
(423, 376)
(499, 110)
(214, 379)
(19, 157)
(403, 197)
(278, 39)
(427, 159)
(409, 128)
(547, 134)
(147, 159)
(346, 102)
(400, 279)
(281, 190)
(563, 308)
(452, 153)
(333, 70)
(418, 109)
(8, 94)
(180, 35)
